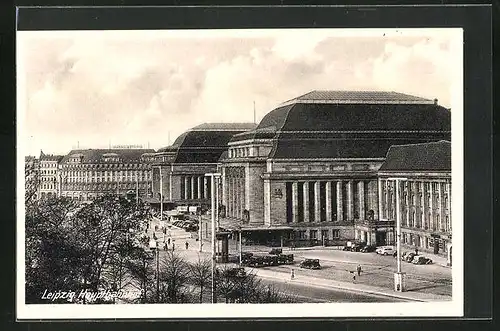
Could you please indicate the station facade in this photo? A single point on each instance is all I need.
(424, 195)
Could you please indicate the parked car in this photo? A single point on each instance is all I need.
(419, 259)
(368, 249)
(236, 272)
(310, 264)
(385, 250)
(276, 251)
(353, 246)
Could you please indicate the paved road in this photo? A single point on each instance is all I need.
(377, 271)
(312, 294)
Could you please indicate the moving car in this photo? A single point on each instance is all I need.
(419, 259)
(353, 246)
(408, 256)
(385, 250)
(310, 264)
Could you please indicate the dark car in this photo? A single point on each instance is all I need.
(235, 272)
(368, 249)
(276, 251)
(419, 259)
(310, 264)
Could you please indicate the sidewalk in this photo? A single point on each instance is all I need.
(360, 288)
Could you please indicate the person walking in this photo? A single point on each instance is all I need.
(416, 251)
(173, 247)
(353, 276)
(187, 245)
(292, 274)
(359, 269)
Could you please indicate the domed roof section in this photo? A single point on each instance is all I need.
(206, 142)
(357, 111)
(350, 124)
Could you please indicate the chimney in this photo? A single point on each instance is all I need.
(435, 101)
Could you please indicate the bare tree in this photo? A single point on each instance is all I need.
(174, 278)
(201, 275)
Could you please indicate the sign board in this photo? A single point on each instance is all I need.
(193, 209)
(182, 208)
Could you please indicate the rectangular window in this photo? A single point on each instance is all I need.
(324, 234)
(336, 234)
(314, 234)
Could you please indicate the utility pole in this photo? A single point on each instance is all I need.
(161, 196)
(213, 176)
(136, 189)
(254, 119)
(399, 277)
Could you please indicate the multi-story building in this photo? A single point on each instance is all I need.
(88, 173)
(48, 175)
(183, 165)
(31, 178)
(309, 170)
(424, 172)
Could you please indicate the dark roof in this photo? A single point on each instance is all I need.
(359, 97)
(428, 156)
(224, 126)
(346, 124)
(96, 155)
(50, 157)
(358, 117)
(206, 142)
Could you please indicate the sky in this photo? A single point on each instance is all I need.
(94, 89)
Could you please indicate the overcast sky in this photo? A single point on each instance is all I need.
(132, 87)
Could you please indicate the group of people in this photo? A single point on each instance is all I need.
(167, 242)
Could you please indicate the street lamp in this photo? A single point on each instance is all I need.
(399, 277)
(213, 177)
(153, 246)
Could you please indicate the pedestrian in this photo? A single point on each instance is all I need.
(156, 227)
(187, 245)
(165, 246)
(154, 236)
(168, 240)
(173, 247)
(292, 274)
(359, 269)
(353, 276)
(416, 251)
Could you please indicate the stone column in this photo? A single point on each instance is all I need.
(236, 199)
(380, 211)
(192, 187)
(339, 201)
(407, 202)
(198, 179)
(441, 214)
(361, 194)
(186, 187)
(350, 201)
(242, 196)
(431, 207)
(448, 225)
(305, 189)
(295, 202)
(423, 204)
(317, 203)
(205, 187)
(328, 201)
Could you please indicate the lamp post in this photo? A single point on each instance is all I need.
(213, 177)
(399, 277)
(153, 245)
(161, 196)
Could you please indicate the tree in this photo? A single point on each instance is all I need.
(174, 278)
(201, 275)
(104, 228)
(79, 247)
